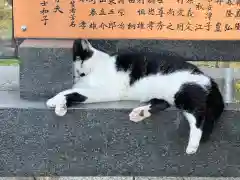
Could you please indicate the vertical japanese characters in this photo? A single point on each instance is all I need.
(149, 15)
(44, 12)
(72, 12)
(232, 14)
(57, 8)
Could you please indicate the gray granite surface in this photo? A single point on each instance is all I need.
(96, 178)
(116, 178)
(100, 140)
(11, 99)
(186, 178)
(9, 78)
(195, 50)
(46, 67)
(6, 48)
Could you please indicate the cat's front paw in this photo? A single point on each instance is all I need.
(59, 103)
(61, 110)
(139, 114)
(56, 100)
(192, 149)
(51, 102)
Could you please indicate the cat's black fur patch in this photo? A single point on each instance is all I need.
(215, 107)
(143, 64)
(205, 105)
(74, 98)
(192, 98)
(157, 105)
(78, 51)
(82, 74)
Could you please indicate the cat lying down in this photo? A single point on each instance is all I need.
(156, 80)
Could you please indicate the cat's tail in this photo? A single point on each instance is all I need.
(214, 109)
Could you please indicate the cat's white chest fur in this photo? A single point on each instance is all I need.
(106, 81)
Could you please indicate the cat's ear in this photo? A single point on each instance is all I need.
(86, 44)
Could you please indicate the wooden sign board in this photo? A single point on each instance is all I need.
(128, 19)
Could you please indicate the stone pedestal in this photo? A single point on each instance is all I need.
(46, 68)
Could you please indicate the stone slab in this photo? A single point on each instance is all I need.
(16, 178)
(159, 178)
(195, 50)
(66, 178)
(46, 67)
(49, 178)
(11, 99)
(117, 178)
(96, 178)
(99, 140)
(206, 178)
(9, 78)
(186, 178)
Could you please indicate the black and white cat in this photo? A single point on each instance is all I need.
(157, 80)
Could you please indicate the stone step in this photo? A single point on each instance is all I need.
(7, 52)
(116, 178)
(46, 65)
(99, 140)
(10, 79)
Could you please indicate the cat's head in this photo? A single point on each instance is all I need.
(87, 59)
(83, 57)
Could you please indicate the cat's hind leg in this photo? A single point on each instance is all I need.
(192, 99)
(142, 112)
(194, 135)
